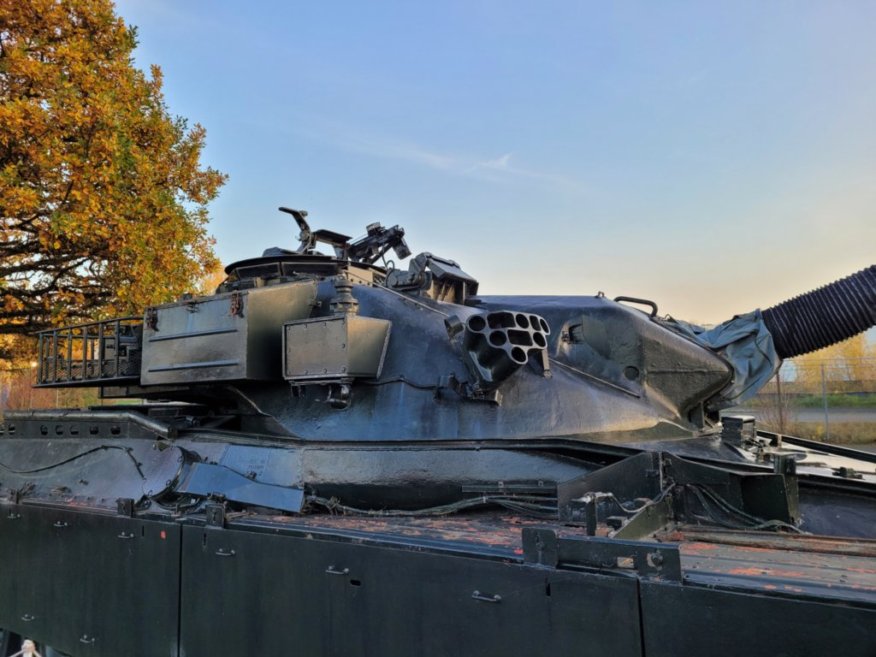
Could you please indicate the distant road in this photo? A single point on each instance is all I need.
(838, 414)
(816, 415)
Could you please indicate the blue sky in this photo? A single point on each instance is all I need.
(713, 156)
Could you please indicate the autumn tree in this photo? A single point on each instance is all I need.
(848, 366)
(103, 199)
(211, 279)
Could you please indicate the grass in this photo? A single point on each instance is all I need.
(837, 400)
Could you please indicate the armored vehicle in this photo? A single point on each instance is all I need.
(335, 456)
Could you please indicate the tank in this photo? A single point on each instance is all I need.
(334, 456)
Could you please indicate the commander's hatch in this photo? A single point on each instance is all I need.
(282, 265)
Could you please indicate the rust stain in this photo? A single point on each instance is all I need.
(755, 550)
(753, 571)
(861, 571)
(770, 569)
(488, 529)
(784, 542)
(698, 547)
(750, 571)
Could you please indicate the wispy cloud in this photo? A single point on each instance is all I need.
(502, 169)
(502, 163)
(395, 150)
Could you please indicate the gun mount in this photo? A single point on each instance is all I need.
(368, 249)
(538, 473)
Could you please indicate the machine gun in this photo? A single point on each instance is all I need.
(368, 249)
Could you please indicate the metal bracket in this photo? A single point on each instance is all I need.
(236, 305)
(151, 319)
(339, 396)
(546, 365)
(648, 560)
(215, 515)
(473, 392)
(125, 507)
(584, 509)
(540, 547)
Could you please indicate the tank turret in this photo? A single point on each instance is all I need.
(301, 344)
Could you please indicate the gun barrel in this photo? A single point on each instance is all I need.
(827, 315)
